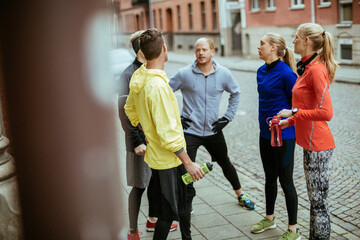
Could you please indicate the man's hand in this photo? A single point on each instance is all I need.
(220, 124)
(140, 150)
(194, 170)
(185, 122)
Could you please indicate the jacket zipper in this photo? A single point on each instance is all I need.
(205, 105)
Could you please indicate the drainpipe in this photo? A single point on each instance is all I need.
(222, 21)
(313, 19)
(151, 15)
(242, 14)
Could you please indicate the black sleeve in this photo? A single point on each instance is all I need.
(137, 136)
(124, 83)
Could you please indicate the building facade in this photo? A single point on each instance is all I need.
(183, 22)
(236, 26)
(339, 17)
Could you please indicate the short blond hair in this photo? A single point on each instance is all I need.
(209, 41)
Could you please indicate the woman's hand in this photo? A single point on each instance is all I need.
(284, 123)
(284, 113)
(140, 150)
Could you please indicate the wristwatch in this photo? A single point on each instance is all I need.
(294, 111)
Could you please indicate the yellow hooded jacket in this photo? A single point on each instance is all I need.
(152, 103)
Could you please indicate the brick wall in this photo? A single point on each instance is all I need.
(170, 6)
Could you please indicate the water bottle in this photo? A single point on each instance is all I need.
(276, 140)
(206, 167)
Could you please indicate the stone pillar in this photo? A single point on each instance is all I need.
(10, 223)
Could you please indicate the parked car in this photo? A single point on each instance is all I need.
(120, 58)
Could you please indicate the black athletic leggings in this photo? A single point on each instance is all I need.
(278, 162)
(134, 206)
(216, 146)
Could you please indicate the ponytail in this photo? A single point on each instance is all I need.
(289, 59)
(327, 56)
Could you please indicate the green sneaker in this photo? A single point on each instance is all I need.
(289, 235)
(245, 201)
(263, 225)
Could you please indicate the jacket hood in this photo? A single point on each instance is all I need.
(197, 70)
(143, 75)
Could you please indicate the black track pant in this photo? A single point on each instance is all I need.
(217, 148)
(278, 162)
(172, 201)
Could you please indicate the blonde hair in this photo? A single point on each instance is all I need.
(285, 53)
(135, 35)
(322, 40)
(209, 41)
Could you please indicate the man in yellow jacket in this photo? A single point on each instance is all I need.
(152, 104)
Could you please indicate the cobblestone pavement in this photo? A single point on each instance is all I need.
(242, 139)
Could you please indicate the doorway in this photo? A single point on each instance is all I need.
(169, 29)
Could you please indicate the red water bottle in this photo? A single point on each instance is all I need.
(276, 140)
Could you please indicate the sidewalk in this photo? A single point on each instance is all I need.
(217, 216)
(344, 74)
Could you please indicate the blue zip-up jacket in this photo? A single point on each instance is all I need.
(202, 95)
(275, 92)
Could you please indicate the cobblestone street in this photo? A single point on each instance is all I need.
(242, 139)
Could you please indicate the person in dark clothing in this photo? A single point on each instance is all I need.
(138, 173)
(275, 80)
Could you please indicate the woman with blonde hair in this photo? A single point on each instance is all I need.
(275, 80)
(312, 108)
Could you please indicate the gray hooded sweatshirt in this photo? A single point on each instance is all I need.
(202, 95)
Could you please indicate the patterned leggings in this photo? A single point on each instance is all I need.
(316, 168)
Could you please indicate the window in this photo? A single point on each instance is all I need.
(203, 15)
(160, 19)
(255, 5)
(324, 3)
(345, 46)
(297, 4)
(345, 8)
(214, 18)
(346, 51)
(270, 5)
(190, 17)
(179, 17)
